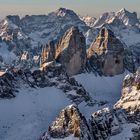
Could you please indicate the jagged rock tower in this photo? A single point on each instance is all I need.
(71, 51)
(70, 122)
(47, 53)
(106, 53)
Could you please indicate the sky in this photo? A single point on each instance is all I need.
(83, 7)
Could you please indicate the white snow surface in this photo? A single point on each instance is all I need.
(126, 134)
(106, 89)
(102, 88)
(130, 37)
(28, 116)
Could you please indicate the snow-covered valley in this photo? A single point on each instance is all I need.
(102, 88)
(31, 112)
(28, 115)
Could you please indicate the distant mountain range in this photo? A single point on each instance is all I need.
(30, 32)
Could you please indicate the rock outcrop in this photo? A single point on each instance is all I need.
(106, 122)
(47, 53)
(69, 122)
(53, 75)
(31, 32)
(71, 51)
(106, 53)
(7, 86)
(130, 99)
(101, 126)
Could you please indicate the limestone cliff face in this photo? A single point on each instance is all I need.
(106, 122)
(101, 126)
(69, 122)
(48, 52)
(130, 98)
(71, 51)
(107, 52)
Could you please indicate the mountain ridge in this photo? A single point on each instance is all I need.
(85, 59)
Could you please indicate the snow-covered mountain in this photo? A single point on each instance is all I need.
(126, 27)
(123, 23)
(61, 76)
(130, 95)
(120, 121)
(31, 32)
(124, 16)
(88, 20)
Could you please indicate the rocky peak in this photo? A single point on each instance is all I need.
(101, 126)
(104, 18)
(88, 20)
(106, 122)
(109, 52)
(71, 51)
(69, 122)
(127, 17)
(123, 10)
(63, 12)
(105, 41)
(10, 22)
(10, 29)
(126, 12)
(122, 16)
(130, 98)
(14, 19)
(30, 32)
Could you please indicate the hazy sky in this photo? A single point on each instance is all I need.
(83, 7)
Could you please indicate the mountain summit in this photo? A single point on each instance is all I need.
(123, 15)
(128, 18)
(107, 53)
(65, 12)
(71, 51)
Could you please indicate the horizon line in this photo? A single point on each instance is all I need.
(21, 15)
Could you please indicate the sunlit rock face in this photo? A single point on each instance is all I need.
(130, 98)
(70, 122)
(107, 53)
(47, 53)
(71, 51)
